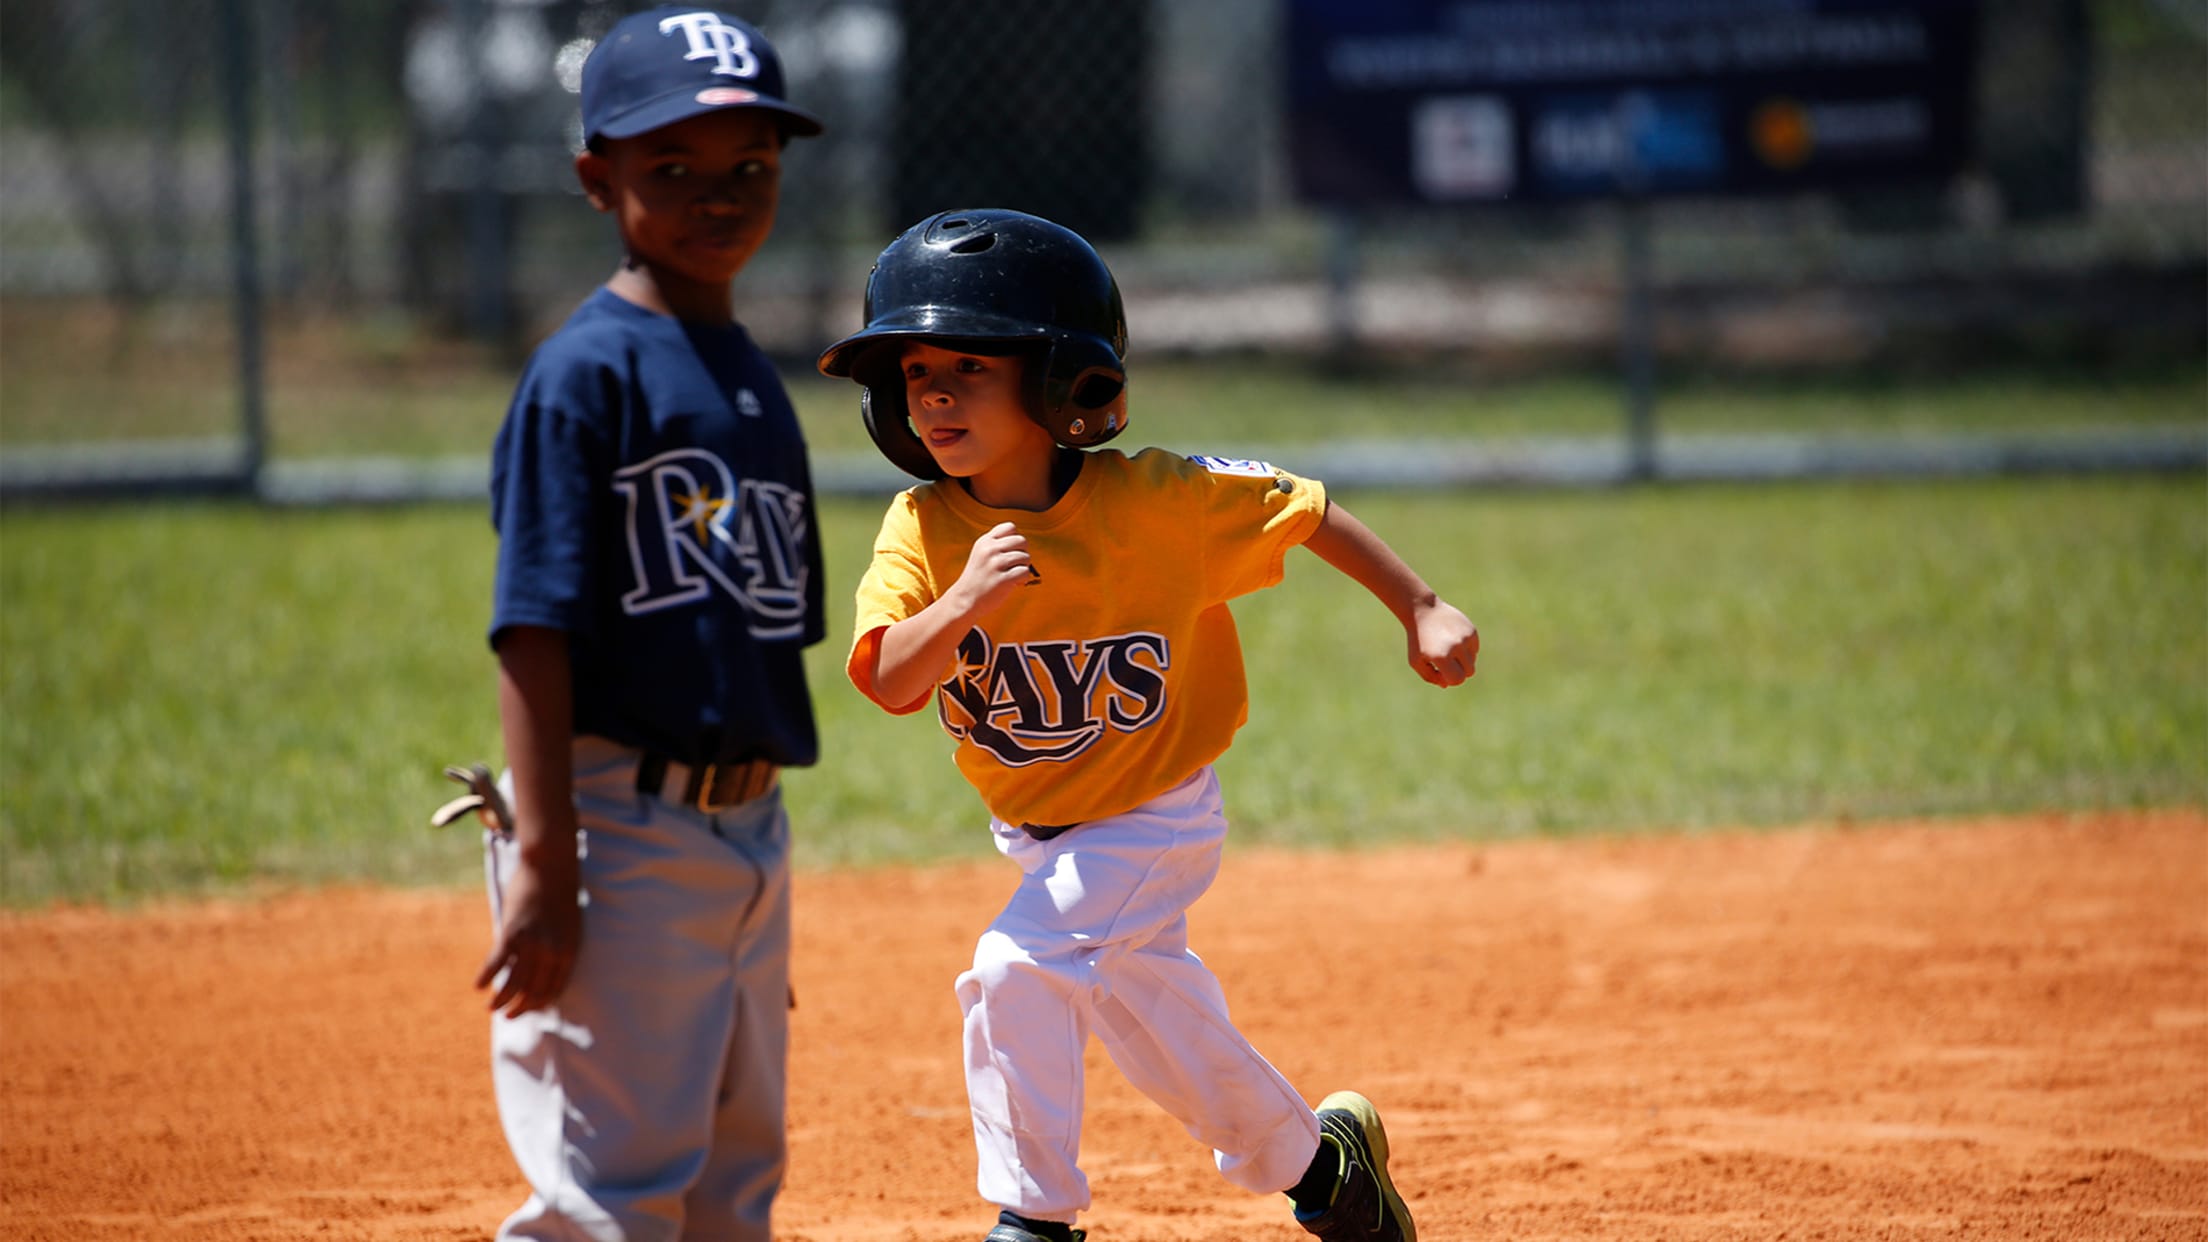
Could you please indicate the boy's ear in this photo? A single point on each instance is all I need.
(594, 174)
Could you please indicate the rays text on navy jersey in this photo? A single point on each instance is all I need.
(693, 526)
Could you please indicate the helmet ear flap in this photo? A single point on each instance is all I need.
(1083, 401)
(882, 407)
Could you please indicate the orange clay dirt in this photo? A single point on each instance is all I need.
(1978, 1029)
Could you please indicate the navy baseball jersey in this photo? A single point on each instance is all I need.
(652, 500)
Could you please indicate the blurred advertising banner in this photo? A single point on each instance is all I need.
(1469, 101)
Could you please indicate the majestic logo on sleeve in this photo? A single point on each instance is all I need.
(694, 529)
(1049, 701)
(1244, 466)
(712, 39)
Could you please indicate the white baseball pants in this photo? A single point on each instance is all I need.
(1096, 939)
(648, 1105)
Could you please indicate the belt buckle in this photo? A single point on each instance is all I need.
(708, 778)
(742, 781)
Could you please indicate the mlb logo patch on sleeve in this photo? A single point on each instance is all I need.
(1236, 465)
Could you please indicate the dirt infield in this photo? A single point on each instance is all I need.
(1986, 1029)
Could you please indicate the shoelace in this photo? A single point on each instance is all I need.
(1359, 1212)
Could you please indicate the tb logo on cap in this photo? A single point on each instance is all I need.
(712, 39)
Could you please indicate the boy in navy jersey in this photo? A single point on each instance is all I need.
(658, 577)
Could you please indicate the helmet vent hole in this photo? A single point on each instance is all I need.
(974, 244)
(1095, 391)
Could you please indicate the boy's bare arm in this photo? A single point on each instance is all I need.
(541, 928)
(916, 652)
(1444, 644)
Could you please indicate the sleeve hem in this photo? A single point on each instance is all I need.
(517, 620)
(1317, 511)
(1303, 527)
(866, 655)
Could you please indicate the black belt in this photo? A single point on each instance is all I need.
(1044, 832)
(710, 787)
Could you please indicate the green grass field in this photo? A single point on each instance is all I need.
(199, 698)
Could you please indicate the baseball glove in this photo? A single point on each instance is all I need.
(482, 797)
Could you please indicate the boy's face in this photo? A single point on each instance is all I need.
(970, 410)
(695, 199)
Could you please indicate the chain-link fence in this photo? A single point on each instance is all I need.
(402, 168)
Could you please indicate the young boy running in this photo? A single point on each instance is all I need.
(1067, 609)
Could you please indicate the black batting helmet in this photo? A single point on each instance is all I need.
(997, 281)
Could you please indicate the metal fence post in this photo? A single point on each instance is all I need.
(1637, 340)
(237, 99)
(486, 212)
(1344, 230)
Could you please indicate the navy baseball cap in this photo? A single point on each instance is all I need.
(671, 63)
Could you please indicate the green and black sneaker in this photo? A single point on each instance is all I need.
(1365, 1207)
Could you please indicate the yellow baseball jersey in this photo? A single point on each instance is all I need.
(1117, 672)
